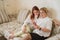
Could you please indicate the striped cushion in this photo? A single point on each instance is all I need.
(3, 17)
(22, 15)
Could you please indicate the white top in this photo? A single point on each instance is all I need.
(44, 23)
(28, 21)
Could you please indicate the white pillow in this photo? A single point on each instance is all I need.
(3, 17)
(22, 15)
(56, 30)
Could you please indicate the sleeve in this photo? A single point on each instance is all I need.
(26, 21)
(49, 24)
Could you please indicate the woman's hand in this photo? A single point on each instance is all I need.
(45, 30)
(35, 25)
(24, 29)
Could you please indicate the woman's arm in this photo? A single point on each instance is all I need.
(35, 25)
(25, 23)
(45, 30)
(24, 29)
(48, 26)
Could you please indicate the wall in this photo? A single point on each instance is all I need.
(52, 5)
(13, 6)
(9, 6)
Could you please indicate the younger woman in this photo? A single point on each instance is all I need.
(31, 18)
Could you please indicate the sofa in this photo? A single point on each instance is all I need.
(15, 23)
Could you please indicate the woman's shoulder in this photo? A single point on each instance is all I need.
(28, 17)
(49, 19)
(29, 14)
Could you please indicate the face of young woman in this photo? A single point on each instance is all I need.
(42, 14)
(36, 13)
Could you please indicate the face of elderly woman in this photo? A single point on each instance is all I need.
(43, 14)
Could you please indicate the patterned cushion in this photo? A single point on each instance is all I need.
(57, 30)
(20, 33)
(13, 26)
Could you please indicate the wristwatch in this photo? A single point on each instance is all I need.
(39, 28)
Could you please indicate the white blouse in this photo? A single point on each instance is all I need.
(44, 23)
(28, 21)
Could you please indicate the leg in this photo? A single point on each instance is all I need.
(36, 37)
(27, 37)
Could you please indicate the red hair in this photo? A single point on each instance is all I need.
(34, 8)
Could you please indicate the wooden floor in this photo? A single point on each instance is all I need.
(2, 38)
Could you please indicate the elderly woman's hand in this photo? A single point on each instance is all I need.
(45, 30)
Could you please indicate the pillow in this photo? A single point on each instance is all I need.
(22, 15)
(3, 17)
(56, 27)
(57, 30)
(0, 18)
(55, 37)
